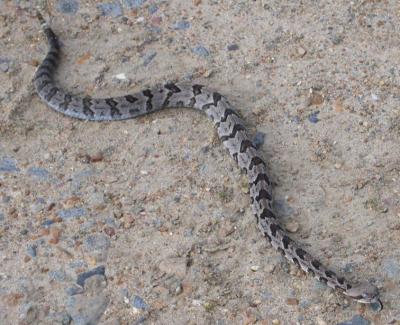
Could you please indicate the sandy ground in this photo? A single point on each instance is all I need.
(148, 221)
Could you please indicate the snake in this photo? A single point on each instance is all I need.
(232, 133)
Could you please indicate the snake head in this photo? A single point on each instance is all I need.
(365, 293)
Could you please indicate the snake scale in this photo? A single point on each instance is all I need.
(232, 133)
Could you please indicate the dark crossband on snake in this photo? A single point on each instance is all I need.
(232, 133)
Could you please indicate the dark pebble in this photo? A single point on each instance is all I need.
(313, 117)
(149, 57)
(59, 276)
(182, 25)
(152, 9)
(4, 64)
(133, 4)
(282, 208)
(72, 213)
(201, 51)
(96, 242)
(356, 320)
(258, 140)
(110, 9)
(72, 291)
(232, 47)
(82, 277)
(39, 173)
(139, 303)
(8, 165)
(47, 223)
(31, 250)
(68, 6)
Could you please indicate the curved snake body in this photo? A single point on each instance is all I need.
(232, 133)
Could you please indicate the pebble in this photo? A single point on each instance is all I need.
(39, 173)
(96, 242)
(138, 302)
(356, 320)
(4, 65)
(258, 140)
(301, 51)
(86, 310)
(391, 267)
(58, 275)
(61, 318)
(201, 51)
(148, 57)
(255, 268)
(31, 250)
(292, 226)
(232, 47)
(152, 9)
(72, 213)
(313, 117)
(182, 25)
(110, 9)
(8, 165)
(134, 4)
(82, 277)
(68, 6)
(282, 208)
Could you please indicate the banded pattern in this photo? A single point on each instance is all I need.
(231, 131)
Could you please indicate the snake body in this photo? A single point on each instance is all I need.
(232, 133)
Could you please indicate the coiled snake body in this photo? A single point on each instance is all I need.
(232, 133)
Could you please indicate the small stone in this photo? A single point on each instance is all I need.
(201, 51)
(120, 76)
(72, 213)
(197, 2)
(4, 64)
(82, 277)
(68, 6)
(152, 9)
(258, 140)
(276, 322)
(96, 157)
(149, 57)
(31, 250)
(315, 99)
(39, 173)
(110, 9)
(292, 226)
(292, 301)
(8, 165)
(110, 231)
(356, 320)
(338, 106)
(232, 47)
(391, 267)
(301, 52)
(313, 117)
(374, 97)
(182, 25)
(139, 303)
(55, 235)
(255, 268)
(128, 221)
(134, 4)
(85, 310)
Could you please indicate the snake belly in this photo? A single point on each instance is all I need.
(232, 133)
